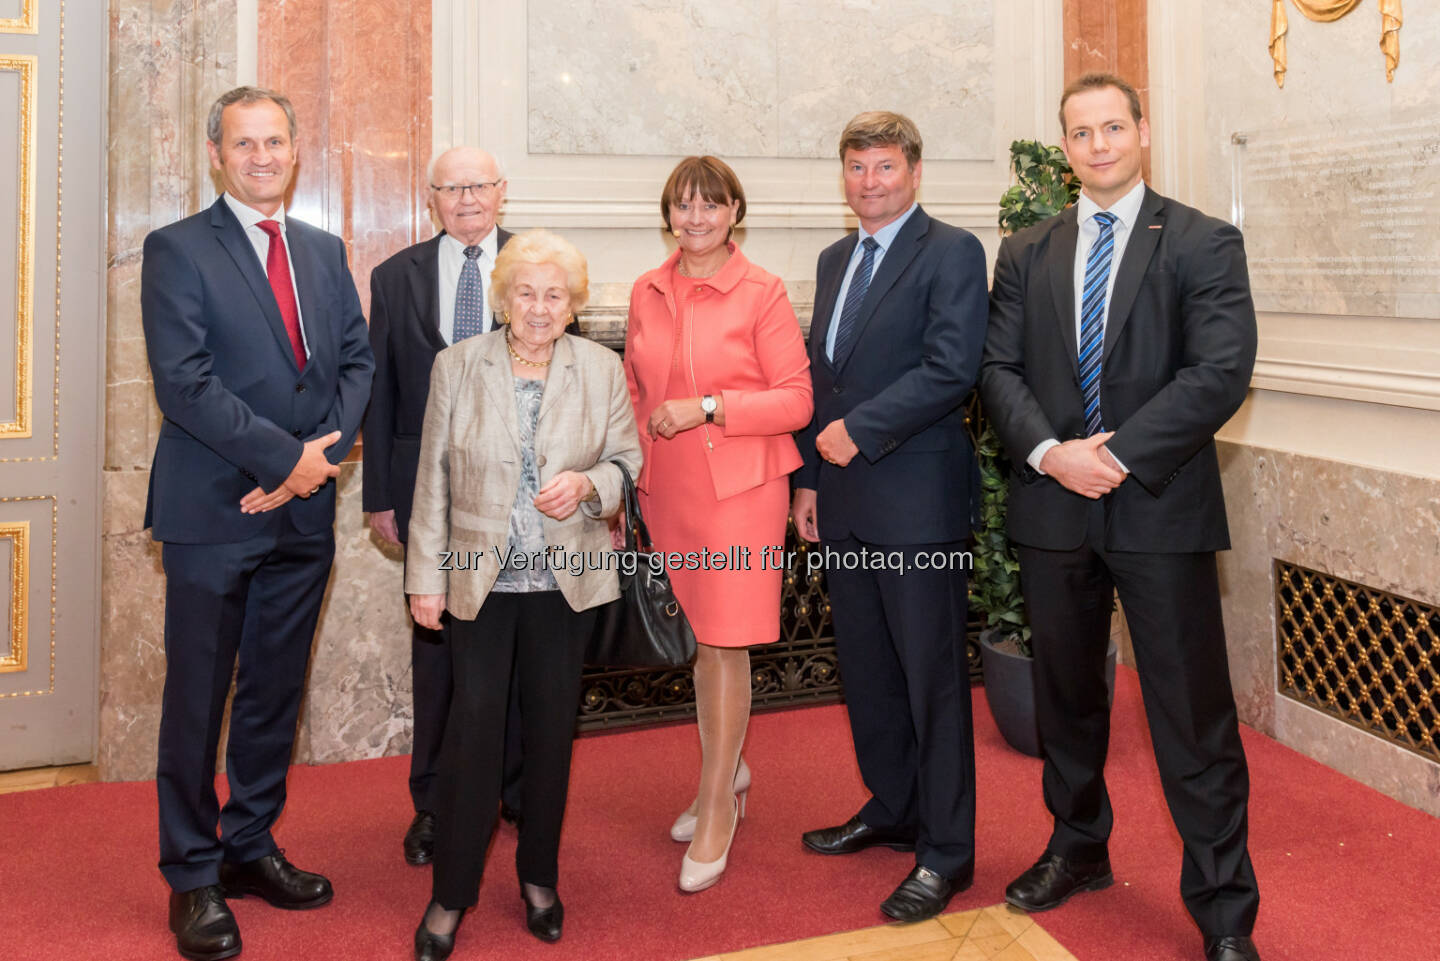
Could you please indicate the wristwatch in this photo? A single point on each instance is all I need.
(708, 405)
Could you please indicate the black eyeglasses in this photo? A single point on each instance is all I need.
(458, 190)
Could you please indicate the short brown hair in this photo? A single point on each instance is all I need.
(881, 128)
(710, 177)
(245, 96)
(1099, 81)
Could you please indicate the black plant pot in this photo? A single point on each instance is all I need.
(1010, 691)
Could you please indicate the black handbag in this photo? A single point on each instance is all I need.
(646, 627)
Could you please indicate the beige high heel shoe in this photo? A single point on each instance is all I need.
(699, 875)
(684, 827)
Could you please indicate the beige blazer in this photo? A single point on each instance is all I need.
(470, 464)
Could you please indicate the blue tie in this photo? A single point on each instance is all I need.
(1092, 319)
(469, 298)
(854, 297)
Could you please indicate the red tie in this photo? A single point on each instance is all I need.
(277, 265)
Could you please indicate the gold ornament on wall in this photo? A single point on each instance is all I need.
(1326, 11)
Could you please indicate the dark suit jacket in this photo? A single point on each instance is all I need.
(1179, 350)
(914, 359)
(237, 408)
(405, 336)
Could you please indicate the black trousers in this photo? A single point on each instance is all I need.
(900, 637)
(542, 640)
(255, 602)
(1172, 606)
(432, 682)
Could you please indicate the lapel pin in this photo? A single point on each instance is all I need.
(1155, 226)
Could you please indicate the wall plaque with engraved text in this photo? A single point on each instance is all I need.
(1340, 219)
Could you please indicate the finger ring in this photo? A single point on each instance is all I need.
(314, 489)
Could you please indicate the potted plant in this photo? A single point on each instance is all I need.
(1044, 186)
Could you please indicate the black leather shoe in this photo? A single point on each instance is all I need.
(1231, 948)
(430, 946)
(205, 930)
(855, 835)
(544, 923)
(277, 881)
(420, 839)
(923, 894)
(1052, 881)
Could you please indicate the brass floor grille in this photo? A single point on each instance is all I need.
(1363, 655)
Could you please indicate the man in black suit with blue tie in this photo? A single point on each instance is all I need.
(262, 367)
(1122, 336)
(895, 345)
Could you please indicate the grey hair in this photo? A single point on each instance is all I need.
(430, 167)
(246, 95)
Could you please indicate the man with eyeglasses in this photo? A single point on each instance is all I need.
(422, 300)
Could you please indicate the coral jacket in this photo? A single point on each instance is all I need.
(746, 347)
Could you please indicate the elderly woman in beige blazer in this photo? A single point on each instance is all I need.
(509, 537)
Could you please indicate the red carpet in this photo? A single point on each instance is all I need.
(1346, 874)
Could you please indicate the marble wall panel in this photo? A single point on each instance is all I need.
(1374, 527)
(756, 78)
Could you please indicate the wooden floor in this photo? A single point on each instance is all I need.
(997, 933)
(32, 779)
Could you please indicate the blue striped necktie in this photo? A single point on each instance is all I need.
(1092, 319)
(854, 297)
(469, 298)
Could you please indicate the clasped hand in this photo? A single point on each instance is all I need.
(1084, 466)
(310, 473)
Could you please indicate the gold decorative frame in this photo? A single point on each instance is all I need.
(18, 533)
(25, 250)
(49, 682)
(27, 22)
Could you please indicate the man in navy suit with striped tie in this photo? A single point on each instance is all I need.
(1122, 336)
(895, 345)
(262, 367)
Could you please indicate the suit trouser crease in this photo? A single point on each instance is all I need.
(250, 608)
(1172, 607)
(540, 639)
(900, 640)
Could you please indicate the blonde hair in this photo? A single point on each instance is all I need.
(540, 246)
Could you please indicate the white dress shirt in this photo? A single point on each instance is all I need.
(452, 259)
(1126, 211)
(250, 219)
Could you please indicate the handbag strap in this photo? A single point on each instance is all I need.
(637, 534)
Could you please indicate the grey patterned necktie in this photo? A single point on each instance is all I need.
(469, 298)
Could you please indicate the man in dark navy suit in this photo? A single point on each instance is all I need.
(895, 344)
(1122, 337)
(262, 367)
(423, 299)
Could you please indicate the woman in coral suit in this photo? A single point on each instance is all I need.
(719, 377)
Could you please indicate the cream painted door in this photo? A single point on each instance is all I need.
(52, 327)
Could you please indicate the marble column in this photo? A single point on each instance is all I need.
(168, 63)
(1110, 36)
(358, 74)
